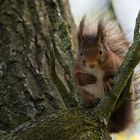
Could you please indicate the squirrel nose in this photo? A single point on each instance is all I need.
(92, 64)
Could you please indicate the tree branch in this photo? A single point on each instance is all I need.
(71, 125)
(60, 27)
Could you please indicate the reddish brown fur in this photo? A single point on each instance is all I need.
(103, 47)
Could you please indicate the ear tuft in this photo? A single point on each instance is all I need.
(81, 29)
(101, 33)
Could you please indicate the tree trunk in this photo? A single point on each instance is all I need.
(34, 78)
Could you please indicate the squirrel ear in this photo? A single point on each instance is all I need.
(101, 33)
(81, 30)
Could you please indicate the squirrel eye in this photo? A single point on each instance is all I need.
(81, 54)
(100, 52)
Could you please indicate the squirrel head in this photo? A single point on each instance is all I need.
(92, 51)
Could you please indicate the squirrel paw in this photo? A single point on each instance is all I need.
(108, 84)
(84, 79)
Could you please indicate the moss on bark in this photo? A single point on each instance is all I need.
(71, 125)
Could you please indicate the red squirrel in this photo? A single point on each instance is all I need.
(100, 53)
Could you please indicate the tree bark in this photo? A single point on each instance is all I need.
(71, 125)
(34, 78)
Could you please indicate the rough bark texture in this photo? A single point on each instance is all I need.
(34, 78)
(66, 14)
(71, 125)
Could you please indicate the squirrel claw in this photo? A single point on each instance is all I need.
(108, 85)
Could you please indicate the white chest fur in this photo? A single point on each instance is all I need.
(96, 89)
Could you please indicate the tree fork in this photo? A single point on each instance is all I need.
(30, 41)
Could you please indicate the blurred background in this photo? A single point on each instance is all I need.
(124, 12)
